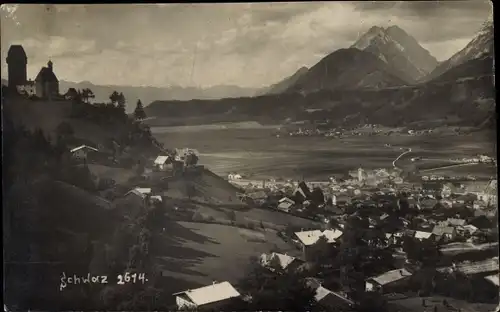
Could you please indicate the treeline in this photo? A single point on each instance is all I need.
(102, 112)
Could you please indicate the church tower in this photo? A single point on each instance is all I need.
(16, 62)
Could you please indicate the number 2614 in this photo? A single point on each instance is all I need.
(131, 278)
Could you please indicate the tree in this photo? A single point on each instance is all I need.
(64, 130)
(87, 94)
(121, 103)
(139, 112)
(191, 159)
(114, 98)
(276, 291)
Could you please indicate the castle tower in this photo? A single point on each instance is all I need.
(16, 62)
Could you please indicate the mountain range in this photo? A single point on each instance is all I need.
(384, 77)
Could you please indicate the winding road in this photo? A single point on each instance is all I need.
(401, 155)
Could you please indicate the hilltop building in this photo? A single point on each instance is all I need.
(16, 63)
(45, 85)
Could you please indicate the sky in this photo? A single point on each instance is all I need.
(246, 44)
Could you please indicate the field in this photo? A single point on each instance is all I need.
(273, 219)
(415, 304)
(195, 254)
(120, 175)
(258, 153)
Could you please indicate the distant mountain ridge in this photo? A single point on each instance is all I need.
(480, 46)
(347, 69)
(150, 94)
(398, 49)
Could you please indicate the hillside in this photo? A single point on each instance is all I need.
(347, 69)
(283, 85)
(399, 50)
(150, 94)
(205, 186)
(480, 46)
(471, 69)
(467, 102)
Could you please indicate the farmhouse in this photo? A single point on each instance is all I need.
(388, 281)
(163, 162)
(421, 236)
(329, 299)
(284, 261)
(81, 152)
(448, 232)
(285, 204)
(71, 94)
(309, 238)
(212, 297)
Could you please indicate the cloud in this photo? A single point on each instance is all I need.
(246, 44)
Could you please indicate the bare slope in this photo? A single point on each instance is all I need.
(204, 186)
(399, 50)
(479, 47)
(348, 69)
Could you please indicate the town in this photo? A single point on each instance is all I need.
(364, 182)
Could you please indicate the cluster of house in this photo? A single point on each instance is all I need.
(478, 159)
(172, 162)
(446, 232)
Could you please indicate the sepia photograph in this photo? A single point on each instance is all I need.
(334, 156)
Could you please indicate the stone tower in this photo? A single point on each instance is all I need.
(16, 62)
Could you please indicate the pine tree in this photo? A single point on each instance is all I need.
(121, 103)
(139, 112)
(114, 97)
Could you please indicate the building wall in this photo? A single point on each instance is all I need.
(80, 154)
(183, 303)
(17, 72)
(47, 89)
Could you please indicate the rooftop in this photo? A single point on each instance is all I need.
(141, 191)
(83, 147)
(391, 276)
(441, 230)
(160, 160)
(310, 237)
(493, 278)
(211, 293)
(422, 235)
(284, 260)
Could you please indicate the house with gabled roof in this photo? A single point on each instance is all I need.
(81, 152)
(446, 232)
(162, 161)
(387, 281)
(211, 297)
(309, 238)
(285, 261)
(329, 299)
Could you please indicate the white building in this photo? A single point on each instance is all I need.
(82, 151)
(390, 278)
(216, 293)
(162, 161)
